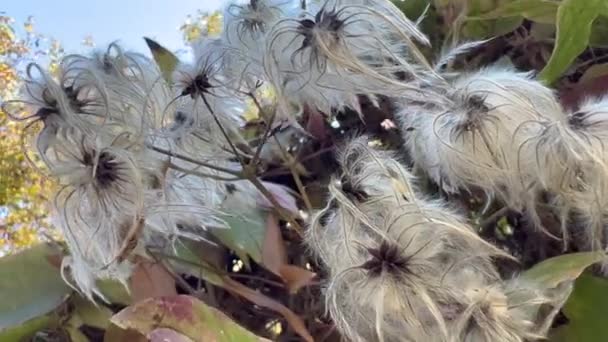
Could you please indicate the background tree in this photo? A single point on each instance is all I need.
(23, 191)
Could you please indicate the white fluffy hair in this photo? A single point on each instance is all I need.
(570, 160)
(104, 121)
(502, 311)
(118, 86)
(43, 99)
(246, 24)
(206, 96)
(329, 54)
(100, 205)
(389, 251)
(473, 140)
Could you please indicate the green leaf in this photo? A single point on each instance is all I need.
(30, 285)
(599, 33)
(25, 331)
(412, 9)
(247, 229)
(185, 315)
(75, 334)
(165, 59)
(587, 312)
(605, 10)
(114, 291)
(574, 21)
(190, 257)
(482, 29)
(552, 272)
(90, 314)
(85, 313)
(542, 11)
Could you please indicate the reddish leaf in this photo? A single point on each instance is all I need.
(167, 335)
(315, 124)
(117, 334)
(296, 277)
(55, 260)
(274, 258)
(261, 300)
(281, 194)
(150, 280)
(572, 97)
(185, 315)
(274, 254)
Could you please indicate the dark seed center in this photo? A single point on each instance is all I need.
(200, 85)
(107, 170)
(386, 258)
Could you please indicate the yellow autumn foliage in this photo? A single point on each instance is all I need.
(202, 24)
(23, 191)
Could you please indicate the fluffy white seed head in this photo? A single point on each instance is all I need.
(205, 96)
(569, 159)
(473, 140)
(513, 310)
(389, 251)
(331, 53)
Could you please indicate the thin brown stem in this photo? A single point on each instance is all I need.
(195, 161)
(258, 150)
(202, 174)
(283, 171)
(224, 133)
(291, 162)
(254, 277)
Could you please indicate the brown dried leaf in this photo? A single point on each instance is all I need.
(274, 254)
(281, 194)
(261, 300)
(274, 258)
(117, 334)
(572, 97)
(316, 125)
(150, 280)
(296, 277)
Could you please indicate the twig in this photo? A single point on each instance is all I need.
(283, 171)
(201, 174)
(296, 176)
(258, 150)
(195, 161)
(224, 133)
(492, 219)
(254, 277)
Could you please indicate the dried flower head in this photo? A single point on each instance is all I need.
(473, 140)
(568, 159)
(119, 87)
(324, 58)
(43, 100)
(505, 310)
(389, 251)
(206, 96)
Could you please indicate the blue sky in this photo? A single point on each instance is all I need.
(70, 21)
